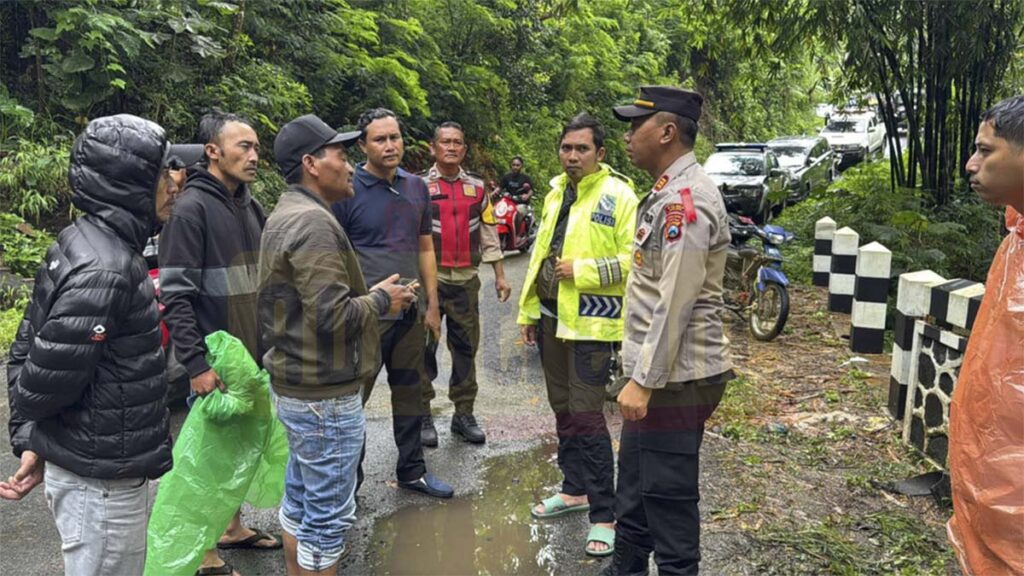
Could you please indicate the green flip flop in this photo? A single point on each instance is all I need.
(602, 535)
(555, 507)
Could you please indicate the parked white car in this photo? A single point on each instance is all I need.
(855, 137)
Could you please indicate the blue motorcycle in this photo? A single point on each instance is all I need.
(755, 286)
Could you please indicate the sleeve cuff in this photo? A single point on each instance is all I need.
(383, 301)
(649, 380)
(196, 365)
(20, 439)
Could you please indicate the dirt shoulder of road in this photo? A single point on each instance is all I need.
(794, 453)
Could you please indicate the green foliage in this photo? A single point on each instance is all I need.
(34, 178)
(267, 187)
(263, 93)
(511, 72)
(957, 240)
(10, 318)
(22, 252)
(13, 116)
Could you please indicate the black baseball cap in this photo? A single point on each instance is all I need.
(305, 135)
(180, 156)
(653, 99)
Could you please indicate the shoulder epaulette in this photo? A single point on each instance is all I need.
(619, 175)
(474, 178)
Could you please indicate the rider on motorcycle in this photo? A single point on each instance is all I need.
(518, 186)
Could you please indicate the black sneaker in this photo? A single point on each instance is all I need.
(465, 425)
(430, 485)
(428, 434)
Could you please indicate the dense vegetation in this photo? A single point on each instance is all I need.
(511, 71)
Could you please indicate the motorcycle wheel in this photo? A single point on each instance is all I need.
(769, 311)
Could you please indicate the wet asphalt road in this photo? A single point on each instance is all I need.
(512, 407)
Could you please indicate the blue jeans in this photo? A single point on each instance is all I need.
(325, 438)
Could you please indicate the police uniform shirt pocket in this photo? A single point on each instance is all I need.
(647, 245)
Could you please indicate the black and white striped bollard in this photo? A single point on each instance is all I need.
(913, 299)
(843, 271)
(824, 230)
(870, 294)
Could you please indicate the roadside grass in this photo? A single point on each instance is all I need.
(809, 444)
(884, 542)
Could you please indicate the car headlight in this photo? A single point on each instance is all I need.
(500, 210)
(751, 192)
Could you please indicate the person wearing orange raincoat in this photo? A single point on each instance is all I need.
(986, 423)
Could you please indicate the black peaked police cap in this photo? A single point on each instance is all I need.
(686, 103)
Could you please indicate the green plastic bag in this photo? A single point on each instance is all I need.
(232, 448)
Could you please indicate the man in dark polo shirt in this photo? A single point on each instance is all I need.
(389, 224)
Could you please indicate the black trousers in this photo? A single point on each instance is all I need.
(576, 373)
(659, 464)
(460, 305)
(402, 354)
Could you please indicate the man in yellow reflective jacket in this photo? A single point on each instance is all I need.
(571, 307)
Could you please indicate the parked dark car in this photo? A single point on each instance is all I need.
(810, 161)
(750, 179)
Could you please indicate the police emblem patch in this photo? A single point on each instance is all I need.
(604, 214)
(606, 204)
(674, 215)
(638, 259)
(469, 190)
(642, 233)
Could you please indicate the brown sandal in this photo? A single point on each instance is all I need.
(225, 569)
(250, 542)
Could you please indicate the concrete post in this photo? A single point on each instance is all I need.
(843, 270)
(913, 299)
(870, 295)
(824, 230)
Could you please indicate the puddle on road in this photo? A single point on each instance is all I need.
(490, 532)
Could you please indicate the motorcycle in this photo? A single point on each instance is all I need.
(755, 285)
(517, 226)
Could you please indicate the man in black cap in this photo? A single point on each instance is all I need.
(675, 352)
(320, 327)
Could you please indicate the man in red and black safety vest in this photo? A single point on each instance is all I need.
(464, 236)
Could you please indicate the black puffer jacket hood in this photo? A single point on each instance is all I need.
(112, 161)
(85, 380)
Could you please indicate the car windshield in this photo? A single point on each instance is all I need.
(790, 155)
(847, 126)
(735, 164)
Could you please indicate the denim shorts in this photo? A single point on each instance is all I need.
(325, 438)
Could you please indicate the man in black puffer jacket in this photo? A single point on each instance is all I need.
(86, 373)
